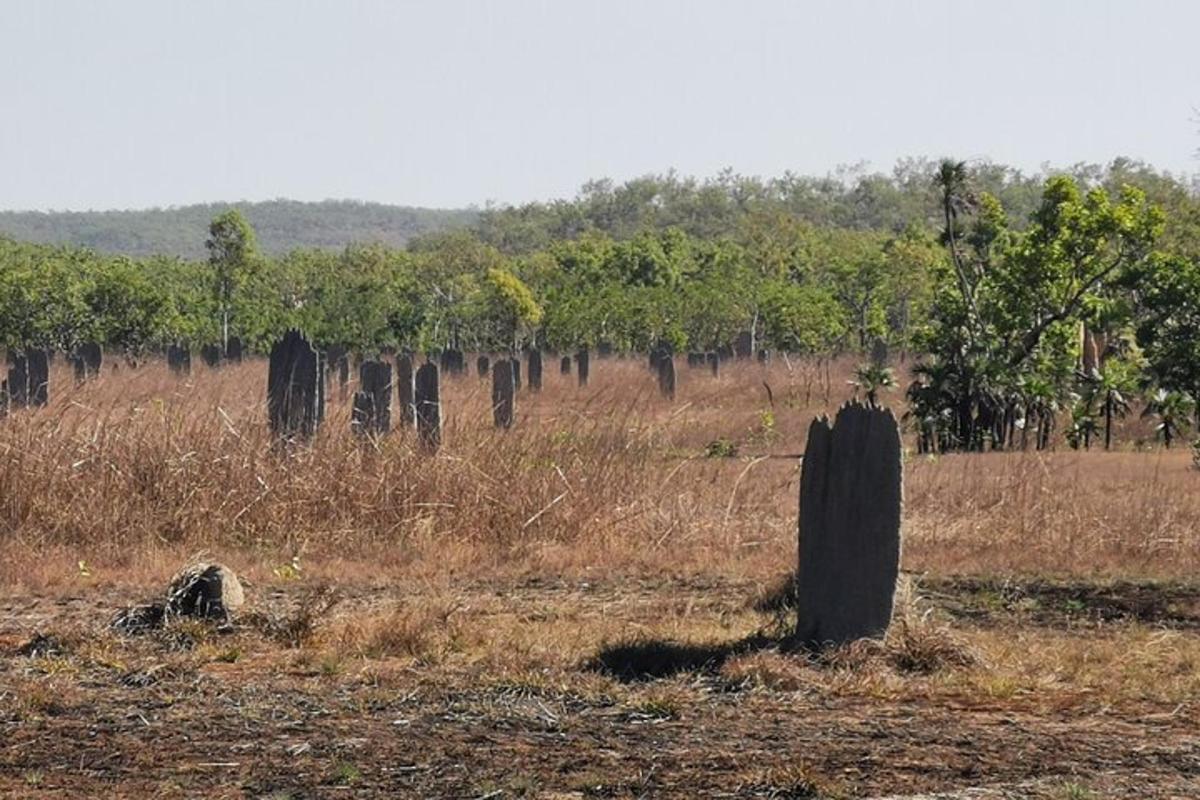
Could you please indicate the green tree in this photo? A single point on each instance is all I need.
(803, 319)
(125, 308)
(41, 295)
(449, 269)
(912, 259)
(507, 308)
(233, 256)
(1012, 302)
(653, 259)
(1084, 425)
(1169, 298)
(855, 268)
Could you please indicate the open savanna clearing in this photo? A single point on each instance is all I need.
(591, 604)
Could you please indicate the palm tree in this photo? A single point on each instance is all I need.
(1173, 411)
(953, 181)
(930, 397)
(1041, 409)
(1112, 386)
(1083, 423)
(870, 378)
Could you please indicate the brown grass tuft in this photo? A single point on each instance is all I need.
(421, 630)
(297, 626)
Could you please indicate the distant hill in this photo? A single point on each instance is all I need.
(281, 226)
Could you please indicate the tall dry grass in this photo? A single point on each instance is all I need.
(138, 468)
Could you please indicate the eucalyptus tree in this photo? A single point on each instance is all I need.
(233, 256)
(126, 309)
(506, 314)
(448, 270)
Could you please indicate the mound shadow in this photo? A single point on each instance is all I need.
(651, 659)
(641, 660)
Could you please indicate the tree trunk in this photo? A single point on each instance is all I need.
(966, 432)
(1108, 415)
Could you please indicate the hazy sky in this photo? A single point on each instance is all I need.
(135, 103)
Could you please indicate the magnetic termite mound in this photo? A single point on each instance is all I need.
(850, 502)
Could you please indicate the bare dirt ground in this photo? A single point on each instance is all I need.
(671, 688)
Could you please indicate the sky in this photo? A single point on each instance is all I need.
(108, 104)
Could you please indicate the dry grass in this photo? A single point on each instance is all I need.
(1064, 513)
(138, 470)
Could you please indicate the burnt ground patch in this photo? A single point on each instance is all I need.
(84, 710)
(1058, 603)
(1036, 601)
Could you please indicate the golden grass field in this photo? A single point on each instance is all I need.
(587, 605)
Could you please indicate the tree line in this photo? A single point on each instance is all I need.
(1022, 302)
(281, 226)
